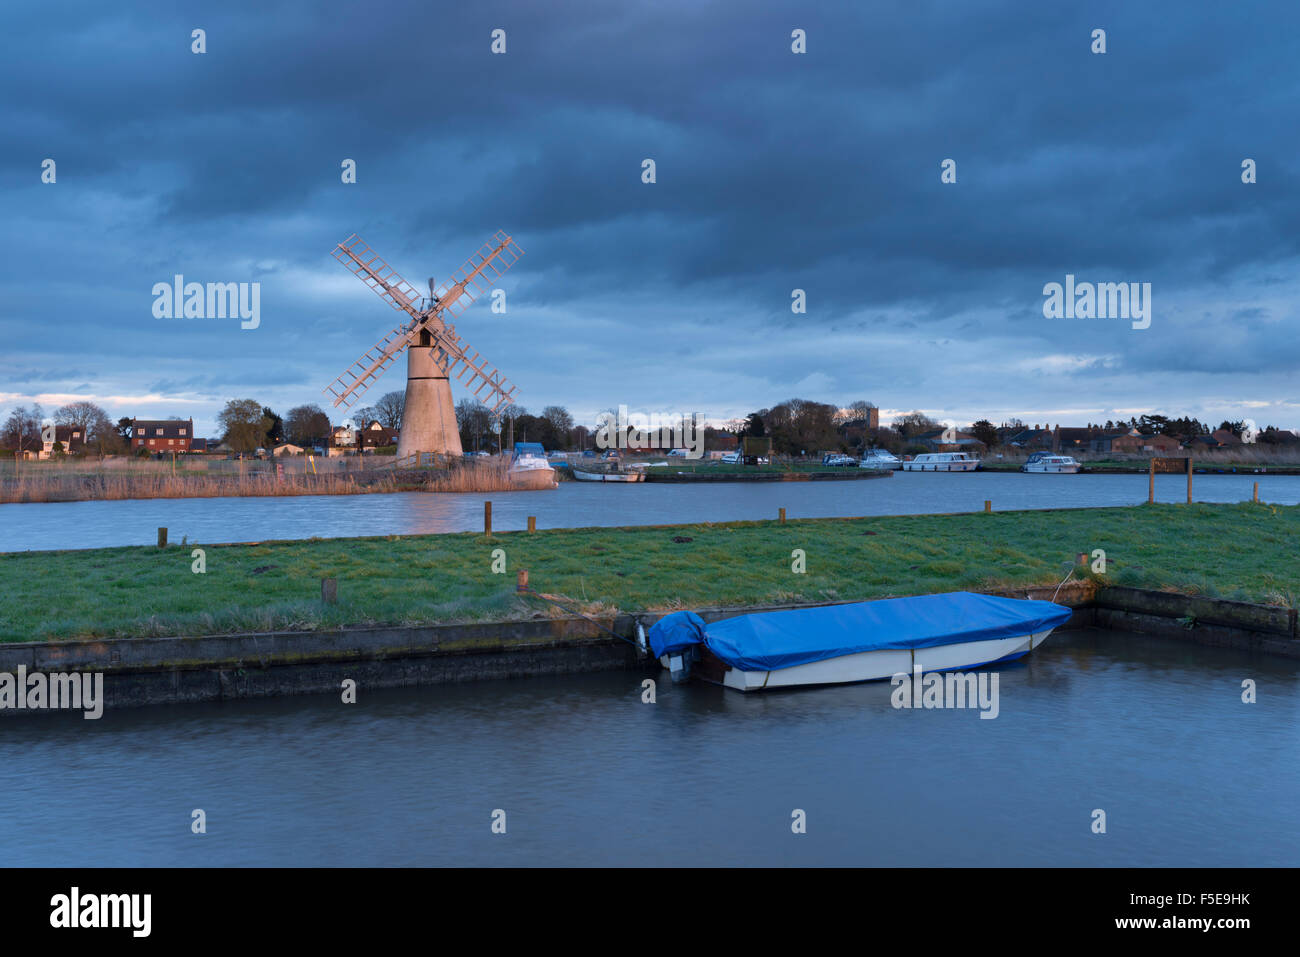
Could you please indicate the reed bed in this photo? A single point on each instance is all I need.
(56, 487)
(475, 475)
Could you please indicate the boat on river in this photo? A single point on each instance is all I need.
(942, 462)
(529, 468)
(1057, 464)
(857, 641)
(610, 475)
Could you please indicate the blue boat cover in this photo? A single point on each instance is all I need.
(770, 641)
(675, 632)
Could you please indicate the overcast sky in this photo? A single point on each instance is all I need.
(775, 171)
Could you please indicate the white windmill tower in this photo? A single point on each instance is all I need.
(434, 351)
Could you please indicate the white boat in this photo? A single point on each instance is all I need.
(879, 459)
(582, 475)
(859, 641)
(1064, 464)
(943, 462)
(529, 468)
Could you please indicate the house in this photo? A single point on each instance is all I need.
(69, 438)
(165, 435)
(288, 449)
(948, 440)
(375, 436)
(1134, 441)
(1031, 439)
(1226, 438)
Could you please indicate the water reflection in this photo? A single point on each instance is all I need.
(573, 504)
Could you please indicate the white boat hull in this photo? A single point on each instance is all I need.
(532, 478)
(940, 466)
(582, 476)
(1051, 469)
(877, 665)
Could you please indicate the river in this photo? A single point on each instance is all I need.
(1151, 731)
(211, 520)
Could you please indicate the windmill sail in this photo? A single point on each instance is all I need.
(479, 273)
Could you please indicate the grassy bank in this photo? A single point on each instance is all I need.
(1235, 551)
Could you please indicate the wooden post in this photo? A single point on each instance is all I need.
(521, 580)
(532, 523)
(1189, 480)
(781, 515)
(1151, 484)
(1081, 558)
(487, 518)
(162, 538)
(988, 505)
(329, 590)
(1255, 497)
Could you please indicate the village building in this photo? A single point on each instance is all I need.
(162, 435)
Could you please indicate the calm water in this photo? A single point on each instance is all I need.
(573, 504)
(1150, 730)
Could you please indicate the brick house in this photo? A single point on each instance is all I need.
(1135, 441)
(165, 435)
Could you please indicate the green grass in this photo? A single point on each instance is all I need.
(1245, 552)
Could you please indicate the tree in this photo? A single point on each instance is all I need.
(388, 410)
(93, 422)
(753, 426)
(307, 425)
(244, 424)
(914, 423)
(274, 428)
(364, 416)
(799, 425)
(985, 431)
(22, 430)
(561, 424)
(474, 420)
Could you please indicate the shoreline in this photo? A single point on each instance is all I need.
(179, 670)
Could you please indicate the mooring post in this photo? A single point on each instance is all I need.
(487, 518)
(521, 580)
(162, 538)
(329, 590)
(1151, 483)
(988, 505)
(532, 523)
(1255, 497)
(781, 515)
(1189, 480)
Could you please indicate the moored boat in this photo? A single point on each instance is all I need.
(585, 475)
(858, 641)
(529, 468)
(942, 462)
(879, 459)
(1038, 462)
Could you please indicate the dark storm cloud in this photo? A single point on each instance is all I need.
(774, 171)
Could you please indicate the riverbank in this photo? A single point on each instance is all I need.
(1240, 552)
(80, 482)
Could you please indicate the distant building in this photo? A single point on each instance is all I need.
(948, 440)
(162, 435)
(69, 438)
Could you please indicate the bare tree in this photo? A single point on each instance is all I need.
(307, 425)
(388, 410)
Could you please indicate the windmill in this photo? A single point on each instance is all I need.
(434, 350)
